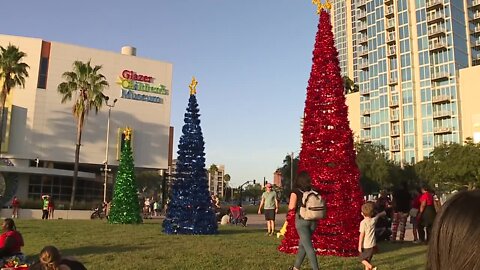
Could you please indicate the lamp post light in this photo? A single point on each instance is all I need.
(105, 163)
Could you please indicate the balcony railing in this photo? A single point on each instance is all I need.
(395, 147)
(366, 112)
(437, 45)
(363, 52)
(442, 114)
(394, 117)
(439, 130)
(393, 103)
(475, 3)
(389, 11)
(361, 14)
(363, 65)
(435, 17)
(391, 51)
(476, 29)
(441, 98)
(438, 76)
(365, 91)
(395, 132)
(436, 31)
(433, 3)
(475, 16)
(362, 27)
(365, 125)
(391, 37)
(361, 3)
(393, 81)
(390, 24)
(363, 39)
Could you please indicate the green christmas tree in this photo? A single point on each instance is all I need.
(125, 208)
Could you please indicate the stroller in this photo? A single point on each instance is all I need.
(237, 216)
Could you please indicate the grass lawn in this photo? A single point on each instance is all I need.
(103, 246)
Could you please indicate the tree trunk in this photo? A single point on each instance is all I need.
(3, 98)
(77, 158)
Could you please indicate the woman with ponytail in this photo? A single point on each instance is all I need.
(50, 259)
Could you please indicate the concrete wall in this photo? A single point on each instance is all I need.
(469, 93)
(37, 214)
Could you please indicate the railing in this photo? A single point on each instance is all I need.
(433, 3)
(442, 129)
(393, 103)
(437, 30)
(441, 114)
(437, 45)
(395, 147)
(440, 98)
(440, 75)
(435, 16)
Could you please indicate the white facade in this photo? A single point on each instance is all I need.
(44, 128)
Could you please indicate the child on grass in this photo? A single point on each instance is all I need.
(366, 241)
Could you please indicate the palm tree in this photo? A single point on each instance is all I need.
(349, 85)
(87, 85)
(12, 74)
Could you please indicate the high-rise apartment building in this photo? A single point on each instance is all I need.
(406, 56)
(216, 181)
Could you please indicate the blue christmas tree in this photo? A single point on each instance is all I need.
(190, 209)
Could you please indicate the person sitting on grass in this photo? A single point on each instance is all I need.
(455, 238)
(11, 240)
(50, 259)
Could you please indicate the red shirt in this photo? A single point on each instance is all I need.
(17, 244)
(426, 197)
(15, 202)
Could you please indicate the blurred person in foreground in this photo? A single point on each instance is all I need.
(50, 259)
(455, 238)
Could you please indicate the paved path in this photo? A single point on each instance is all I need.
(258, 221)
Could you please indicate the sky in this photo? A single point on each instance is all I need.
(251, 58)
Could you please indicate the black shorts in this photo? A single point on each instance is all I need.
(367, 254)
(270, 214)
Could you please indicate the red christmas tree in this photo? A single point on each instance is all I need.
(328, 154)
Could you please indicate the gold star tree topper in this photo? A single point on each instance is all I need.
(193, 86)
(321, 6)
(128, 133)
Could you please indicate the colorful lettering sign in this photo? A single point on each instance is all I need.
(132, 83)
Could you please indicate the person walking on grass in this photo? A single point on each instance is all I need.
(305, 228)
(366, 242)
(401, 207)
(269, 203)
(15, 206)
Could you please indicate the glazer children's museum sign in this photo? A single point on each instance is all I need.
(133, 83)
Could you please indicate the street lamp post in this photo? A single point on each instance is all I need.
(105, 168)
(241, 187)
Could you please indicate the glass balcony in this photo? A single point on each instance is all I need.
(389, 11)
(439, 45)
(363, 65)
(442, 114)
(441, 99)
(365, 125)
(366, 112)
(474, 3)
(394, 117)
(365, 92)
(393, 103)
(435, 17)
(361, 14)
(361, 3)
(442, 130)
(391, 37)
(393, 81)
(363, 39)
(362, 52)
(395, 147)
(433, 4)
(436, 31)
(440, 76)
